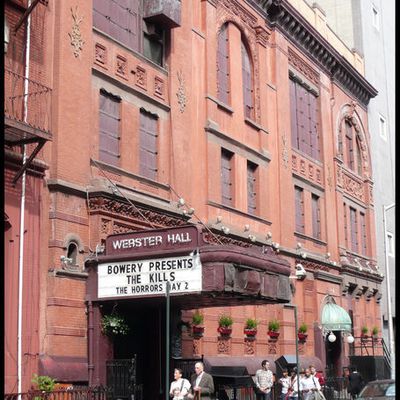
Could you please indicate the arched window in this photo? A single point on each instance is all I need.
(72, 252)
(352, 154)
(247, 77)
(223, 83)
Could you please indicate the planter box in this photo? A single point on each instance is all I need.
(302, 336)
(273, 335)
(197, 330)
(250, 332)
(224, 331)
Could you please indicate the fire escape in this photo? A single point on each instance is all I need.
(27, 107)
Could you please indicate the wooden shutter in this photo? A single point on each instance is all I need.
(363, 234)
(314, 125)
(346, 237)
(226, 177)
(223, 84)
(299, 209)
(316, 216)
(353, 229)
(148, 145)
(247, 82)
(293, 114)
(120, 19)
(301, 106)
(349, 146)
(251, 188)
(109, 126)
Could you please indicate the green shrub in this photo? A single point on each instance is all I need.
(44, 382)
(114, 324)
(364, 330)
(251, 323)
(375, 330)
(274, 325)
(303, 328)
(225, 321)
(197, 318)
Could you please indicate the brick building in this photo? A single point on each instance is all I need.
(254, 113)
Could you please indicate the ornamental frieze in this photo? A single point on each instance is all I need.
(298, 63)
(214, 238)
(306, 168)
(353, 187)
(235, 8)
(312, 266)
(117, 209)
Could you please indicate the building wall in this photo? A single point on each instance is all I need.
(86, 199)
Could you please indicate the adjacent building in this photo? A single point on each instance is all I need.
(222, 146)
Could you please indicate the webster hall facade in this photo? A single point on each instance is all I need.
(211, 144)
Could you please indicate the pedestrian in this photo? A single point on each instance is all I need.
(202, 383)
(345, 387)
(264, 381)
(293, 393)
(180, 386)
(285, 383)
(318, 375)
(356, 383)
(309, 385)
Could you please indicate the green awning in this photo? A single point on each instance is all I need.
(335, 318)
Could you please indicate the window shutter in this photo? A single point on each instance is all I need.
(354, 230)
(247, 82)
(316, 216)
(349, 146)
(346, 238)
(314, 131)
(299, 208)
(119, 19)
(226, 177)
(109, 120)
(251, 188)
(363, 234)
(293, 114)
(301, 117)
(223, 65)
(148, 145)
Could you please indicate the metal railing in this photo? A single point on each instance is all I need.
(37, 99)
(93, 393)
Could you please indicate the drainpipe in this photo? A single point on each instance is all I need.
(90, 341)
(22, 215)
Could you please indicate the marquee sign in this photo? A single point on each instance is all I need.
(148, 277)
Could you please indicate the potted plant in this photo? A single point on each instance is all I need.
(44, 384)
(250, 328)
(197, 324)
(273, 329)
(302, 333)
(113, 325)
(374, 332)
(364, 332)
(225, 325)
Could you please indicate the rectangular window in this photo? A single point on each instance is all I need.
(120, 19)
(226, 177)
(304, 120)
(247, 83)
(390, 244)
(316, 216)
(251, 188)
(223, 83)
(354, 229)
(299, 208)
(363, 234)
(148, 144)
(109, 128)
(382, 127)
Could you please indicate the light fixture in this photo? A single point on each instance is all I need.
(334, 263)
(225, 229)
(332, 337)
(252, 238)
(299, 245)
(328, 255)
(350, 339)
(181, 202)
(99, 249)
(275, 245)
(303, 255)
(269, 235)
(219, 219)
(191, 211)
(246, 227)
(66, 260)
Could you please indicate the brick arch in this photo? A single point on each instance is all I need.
(348, 113)
(248, 34)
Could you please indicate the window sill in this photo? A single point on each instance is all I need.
(254, 125)
(310, 238)
(223, 106)
(308, 157)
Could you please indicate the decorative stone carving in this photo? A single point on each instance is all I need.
(181, 92)
(76, 36)
(119, 228)
(294, 162)
(285, 155)
(339, 176)
(368, 294)
(223, 345)
(100, 54)
(105, 228)
(121, 66)
(272, 348)
(298, 63)
(219, 239)
(329, 178)
(353, 187)
(249, 346)
(141, 77)
(311, 171)
(262, 35)
(357, 292)
(237, 9)
(117, 209)
(378, 297)
(196, 346)
(312, 265)
(158, 87)
(302, 167)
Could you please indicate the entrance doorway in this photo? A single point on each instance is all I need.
(333, 355)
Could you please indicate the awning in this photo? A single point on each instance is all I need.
(335, 318)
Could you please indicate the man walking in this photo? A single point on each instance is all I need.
(202, 383)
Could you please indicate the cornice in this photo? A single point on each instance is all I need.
(283, 16)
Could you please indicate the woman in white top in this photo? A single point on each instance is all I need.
(285, 382)
(180, 386)
(308, 385)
